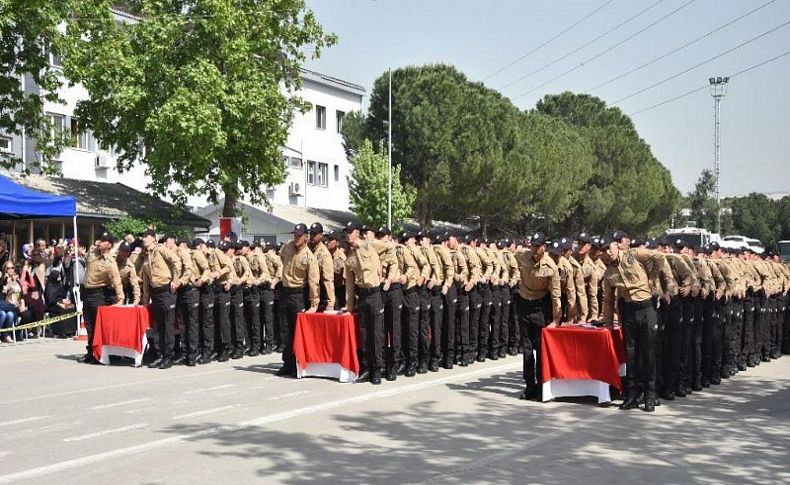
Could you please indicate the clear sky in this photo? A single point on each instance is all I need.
(481, 37)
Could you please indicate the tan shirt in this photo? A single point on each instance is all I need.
(363, 270)
(202, 270)
(538, 279)
(474, 264)
(628, 277)
(326, 271)
(241, 265)
(187, 272)
(447, 271)
(300, 269)
(102, 270)
(590, 275)
(338, 266)
(583, 310)
(275, 265)
(129, 278)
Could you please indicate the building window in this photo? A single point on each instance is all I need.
(320, 117)
(80, 138)
(296, 163)
(339, 115)
(55, 60)
(317, 173)
(58, 125)
(6, 145)
(337, 173)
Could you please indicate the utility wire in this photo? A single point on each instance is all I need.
(675, 98)
(605, 50)
(582, 46)
(695, 66)
(687, 44)
(535, 49)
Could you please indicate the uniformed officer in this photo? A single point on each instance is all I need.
(252, 302)
(503, 278)
(263, 326)
(203, 281)
(393, 298)
(338, 265)
(508, 256)
(626, 276)
(161, 272)
(412, 301)
(300, 285)
(243, 287)
(486, 300)
(363, 272)
(449, 299)
(458, 326)
(539, 305)
(129, 278)
(589, 276)
(188, 306)
(495, 316)
(225, 282)
(102, 287)
(271, 327)
(325, 267)
(431, 310)
(567, 286)
(469, 250)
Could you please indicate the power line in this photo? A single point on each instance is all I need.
(684, 71)
(717, 29)
(534, 50)
(605, 50)
(582, 46)
(706, 86)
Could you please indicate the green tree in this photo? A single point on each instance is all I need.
(354, 132)
(629, 188)
(202, 92)
(367, 187)
(702, 202)
(29, 34)
(756, 216)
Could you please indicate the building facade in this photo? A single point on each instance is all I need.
(314, 154)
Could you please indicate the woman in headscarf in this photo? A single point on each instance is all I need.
(58, 303)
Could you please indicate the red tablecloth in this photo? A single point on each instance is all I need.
(122, 327)
(573, 353)
(322, 338)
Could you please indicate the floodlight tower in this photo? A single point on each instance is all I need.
(718, 89)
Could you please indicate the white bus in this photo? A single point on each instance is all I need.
(783, 248)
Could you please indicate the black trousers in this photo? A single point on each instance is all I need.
(393, 306)
(294, 300)
(487, 302)
(188, 305)
(208, 296)
(711, 340)
(426, 302)
(475, 304)
(266, 297)
(640, 326)
(686, 331)
(163, 306)
(448, 324)
(504, 325)
(340, 296)
(252, 317)
(92, 299)
(223, 319)
(237, 330)
(533, 316)
(673, 328)
(437, 319)
(461, 345)
(410, 328)
(280, 320)
(515, 330)
(695, 345)
(750, 317)
(785, 337)
(370, 314)
(495, 319)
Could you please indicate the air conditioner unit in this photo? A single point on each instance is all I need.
(295, 189)
(103, 161)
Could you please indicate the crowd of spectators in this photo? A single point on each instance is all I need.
(38, 284)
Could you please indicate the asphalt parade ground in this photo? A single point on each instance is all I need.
(236, 422)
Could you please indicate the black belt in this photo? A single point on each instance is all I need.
(265, 286)
(160, 289)
(290, 291)
(394, 286)
(186, 287)
(639, 304)
(94, 290)
(408, 291)
(367, 291)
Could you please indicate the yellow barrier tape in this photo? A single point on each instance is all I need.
(41, 323)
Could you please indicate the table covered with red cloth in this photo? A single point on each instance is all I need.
(580, 361)
(120, 330)
(325, 345)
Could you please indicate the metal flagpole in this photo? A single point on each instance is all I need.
(389, 157)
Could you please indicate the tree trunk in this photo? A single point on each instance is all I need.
(229, 205)
(484, 226)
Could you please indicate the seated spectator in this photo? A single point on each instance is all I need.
(58, 303)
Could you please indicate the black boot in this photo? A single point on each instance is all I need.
(375, 377)
(411, 369)
(155, 364)
(630, 402)
(529, 393)
(649, 405)
(166, 363)
(392, 373)
(423, 368)
(434, 367)
(363, 375)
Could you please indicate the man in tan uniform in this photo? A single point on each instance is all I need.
(273, 336)
(203, 280)
(567, 286)
(102, 287)
(589, 275)
(300, 284)
(325, 267)
(161, 271)
(431, 307)
(539, 305)
(338, 265)
(187, 306)
(129, 278)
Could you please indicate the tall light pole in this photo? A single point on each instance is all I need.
(718, 89)
(389, 157)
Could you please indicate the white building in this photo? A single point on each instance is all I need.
(314, 154)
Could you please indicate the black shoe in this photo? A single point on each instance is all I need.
(657, 402)
(650, 406)
(680, 393)
(423, 368)
(513, 351)
(253, 352)
(279, 349)
(375, 377)
(88, 359)
(464, 361)
(715, 382)
(204, 359)
(266, 350)
(214, 356)
(402, 368)
(392, 374)
(630, 403)
(285, 371)
(411, 370)
(705, 384)
(502, 352)
(529, 394)
(363, 375)
(765, 358)
(696, 387)
(238, 354)
(741, 366)
(481, 357)
(155, 364)
(667, 396)
(493, 355)
(448, 364)
(223, 357)
(689, 390)
(166, 363)
(178, 359)
(434, 367)
(190, 362)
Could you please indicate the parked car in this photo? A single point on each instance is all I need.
(738, 242)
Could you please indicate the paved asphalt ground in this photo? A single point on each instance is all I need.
(235, 422)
